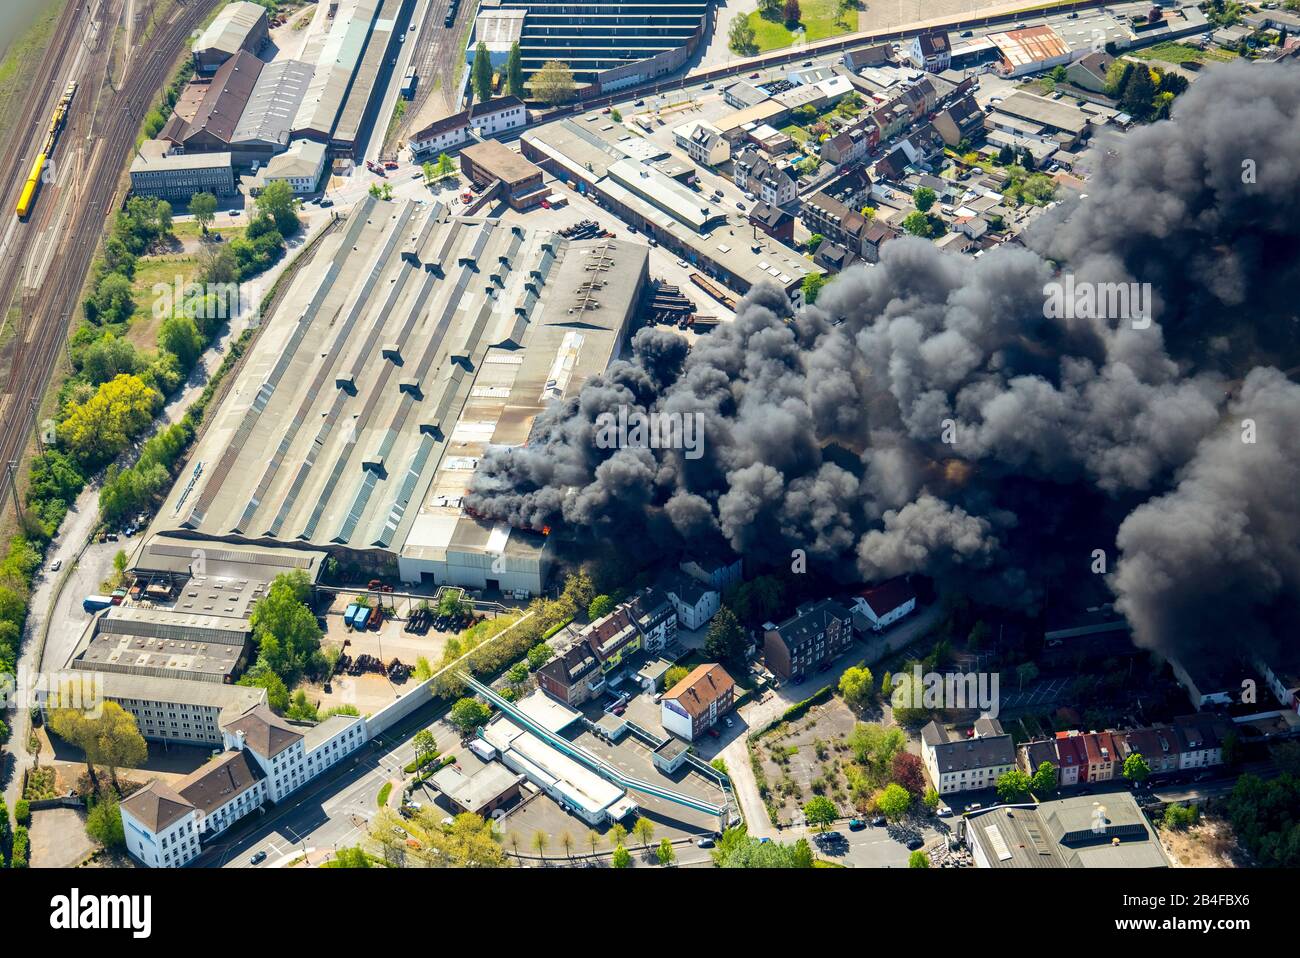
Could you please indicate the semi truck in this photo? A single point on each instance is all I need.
(96, 603)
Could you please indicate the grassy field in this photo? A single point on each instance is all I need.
(19, 64)
(1179, 53)
(820, 19)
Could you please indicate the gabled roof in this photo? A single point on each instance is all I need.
(701, 688)
(265, 732)
(216, 783)
(888, 596)
(157, 806)
(447, 123)
(218, 115)
(489, 107)
(933, 43)
(809, 620)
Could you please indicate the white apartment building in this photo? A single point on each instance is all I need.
(266, 759)
(967, 764)
(498, 116)
(161, 827)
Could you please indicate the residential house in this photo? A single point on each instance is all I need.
(852, 145)
(1102, 756)
(1089, 73)
(694, 602)
(1072, 758)
(491, 118)
(442, 135)
(694, 705)
(884, 604)
(1200, 739)
(773, 221)
(718, 570)
(813, 637)
(702, 142)
(1158, 747)
(834, 258)
(959, 765)
(872, 56)
(1031, 755)
(931, 51)
(962, 120)
(755, 174)
(587, 656)
(846, 227)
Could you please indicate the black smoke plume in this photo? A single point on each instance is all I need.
(928, 415)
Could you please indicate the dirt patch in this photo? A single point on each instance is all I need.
(1208, 844)
(809, 756)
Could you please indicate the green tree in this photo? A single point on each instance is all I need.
(741, 37)
(285, 629)
(930, 799)
(468, 714)
(481, 73)
(445, 168)
(109, 738)
(1136, 768)
(675, 675)
(515, 72)
(923, 198)
(261, 677)
(425, 747)
(203, 207)
(919, 224)
(1043, 783)
(857, 686)
(1013, 786)
(893, 801)
(1181, 817)
(918, 859)
(644, 831)
(112, 301)
(278, 201)
(725, 639)
(666, 854)
(104, 822)
(180, 337)
(812, 287)
(820, 812)
(553, 83)
(600, 606)
(622, 858)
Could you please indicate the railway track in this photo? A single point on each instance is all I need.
(113, 126)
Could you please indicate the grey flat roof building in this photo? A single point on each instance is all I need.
(1084, 831)
(412, 342)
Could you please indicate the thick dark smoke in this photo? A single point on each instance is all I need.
(926, 416)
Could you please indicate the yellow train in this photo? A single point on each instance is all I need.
(57, 119)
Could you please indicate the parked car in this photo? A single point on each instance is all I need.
(56, 565)
(878, 821)
(945, 811)
(914, 843)
(257, 858)
(704, 843)
(708, 86)
(856, 824)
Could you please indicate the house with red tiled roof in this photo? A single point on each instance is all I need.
(879, 606)
(1071, 758)
(1102, 756)
(695, 704)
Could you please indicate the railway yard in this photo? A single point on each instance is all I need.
(45, 258)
